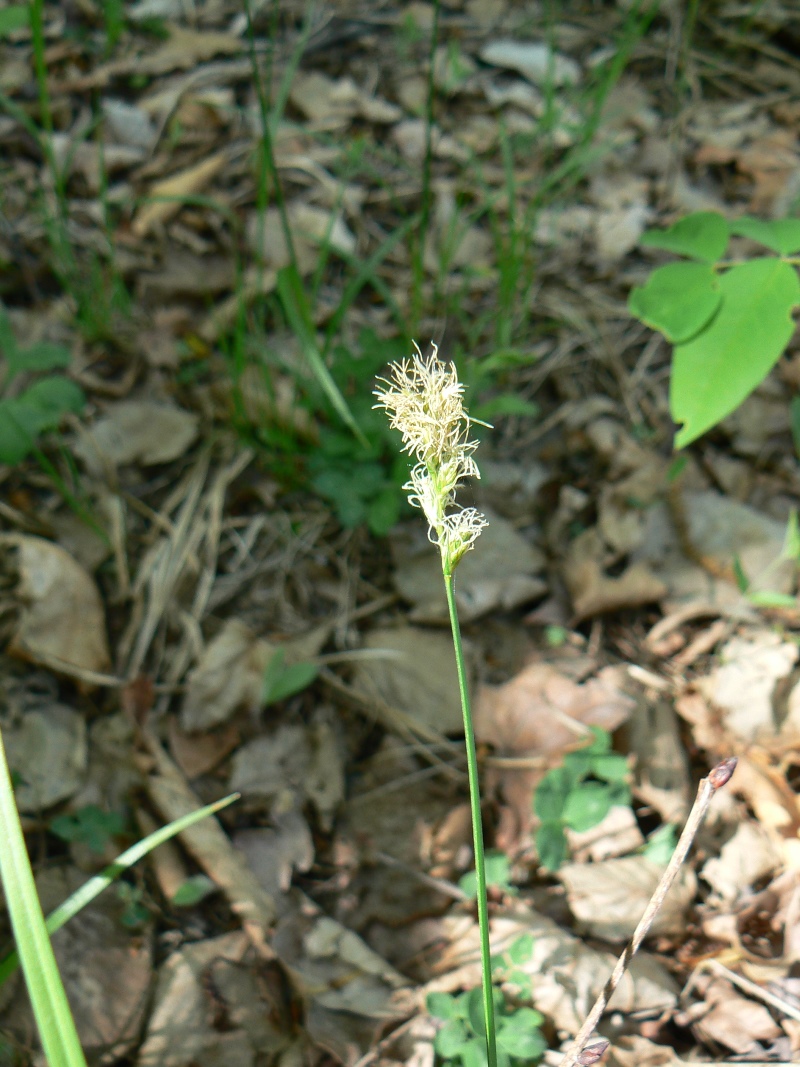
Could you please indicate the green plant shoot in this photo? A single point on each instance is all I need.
(729, 321)
(424, 400)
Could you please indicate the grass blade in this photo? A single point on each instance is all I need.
(51, 1009)
(95, 886)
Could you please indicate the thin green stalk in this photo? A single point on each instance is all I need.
(477, 827)
(51, 1009)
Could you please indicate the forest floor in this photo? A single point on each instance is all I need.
(217, 226)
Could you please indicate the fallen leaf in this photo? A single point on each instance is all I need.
(593, 592)
(748, 857)
(500, 573)
(228, 676)
(416, 673)
(137, 431)
(291, 765)
(107, 969)
(609, 898)
(47, 749)
(165, 198)
(275, 852)
(60, 619)
(733, 1020)
(533, 60)
(743, 686)
(538, 714)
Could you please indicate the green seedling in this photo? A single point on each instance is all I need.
(728, 320)
(578, 795)
(90, 826)
(462, 1038)
(195, 889)
(41, 406)
(282, 680)
(506, 967)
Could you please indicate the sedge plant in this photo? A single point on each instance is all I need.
(424, 400)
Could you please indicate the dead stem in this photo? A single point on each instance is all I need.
(719, 776)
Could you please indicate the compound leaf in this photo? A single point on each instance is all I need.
(677, 300)
(587, 806)
(714, 372)
(551, 844)
(441, 1005)
(703, 235)
(781, 235)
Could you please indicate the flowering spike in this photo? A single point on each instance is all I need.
(424, 401)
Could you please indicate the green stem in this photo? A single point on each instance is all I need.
(477, 829)
(51, 1009)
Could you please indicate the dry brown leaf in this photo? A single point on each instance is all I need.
(593, 592)
(541, 713)
(502, 573)
(181, 1028)
(743, 687)
(47, 749)
(137, 431)
(61, 622)
(608, 898)
(733, 1020)
(166, 195)
(228, 676)
(413, 670)
(745, 859)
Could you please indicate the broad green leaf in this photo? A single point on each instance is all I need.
(703, 235)
(475, 1012)
(473, 1053)
(89, 825)
(441, 1005)
(781, 235)
(610, 766)
(523, 1018)
(678, 300)
(521, 949)
(551, 794)
(660, 845)
(714, 372)
(522, 980)
(282, 681)
(551, 844)
(196, 888)
(587, 806)
(41, 357)
(384, 511)
(451, 1038)
(523, 1044)
(49, 399)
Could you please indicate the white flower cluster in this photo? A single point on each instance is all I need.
(424, 400)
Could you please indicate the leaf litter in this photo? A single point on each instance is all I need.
(609, 588)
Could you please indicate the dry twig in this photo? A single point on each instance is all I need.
(579, 1052)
